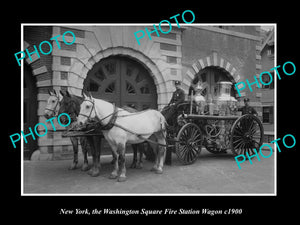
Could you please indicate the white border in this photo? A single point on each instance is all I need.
(150, 24)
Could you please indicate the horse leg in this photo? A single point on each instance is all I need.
(114, 173)
(155, 150)
(94, 171)
(75, 151)
(122, 167)
(141, 151)
(97, 144)
(161, 152)
(84, 147)
(134, 161)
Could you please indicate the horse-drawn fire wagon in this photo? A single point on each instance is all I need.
(215, 125)
(212, 123)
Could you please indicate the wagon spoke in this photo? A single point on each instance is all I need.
(248, 151)
(196, 141)
(238, 130)
(196, 137)
(191, 134)
(182, 151)
(238, 140)
(189, 145)
(255, 144)
(252, 152)
(253, 130)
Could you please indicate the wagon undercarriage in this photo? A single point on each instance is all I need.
(217, 134)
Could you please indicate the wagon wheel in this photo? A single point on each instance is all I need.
(246, 133)
(188, 145)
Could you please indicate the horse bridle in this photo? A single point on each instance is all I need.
(54, 110)
(110, 123)
(93, 107)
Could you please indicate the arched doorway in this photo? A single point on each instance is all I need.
(210, 76)
(122, 80)
(30, 109)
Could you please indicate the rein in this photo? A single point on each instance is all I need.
(110, 123)
(140, 135)
(132, 114)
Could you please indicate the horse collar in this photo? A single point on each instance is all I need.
(112, 120)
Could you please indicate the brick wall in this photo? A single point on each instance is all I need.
(240, 50)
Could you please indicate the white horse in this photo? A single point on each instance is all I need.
(52, 106)
(127, 127)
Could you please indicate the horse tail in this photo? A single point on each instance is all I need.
(164, 124)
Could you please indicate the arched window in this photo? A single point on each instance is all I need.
(209, 77)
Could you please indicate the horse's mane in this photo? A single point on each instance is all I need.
(76, 100)
(74, 103)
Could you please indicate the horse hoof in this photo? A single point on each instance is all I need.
(139, 166)
(89, 172)
(113, 176)
(121, 179)
(153, 169)
(73, 166)
(158, 171)
(85, 167)
(132, 166)
(93, 172)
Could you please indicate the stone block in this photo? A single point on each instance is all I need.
(116, 33)
(128, 36)
(40, 70)
(195, 67)
(208, 60)
(201, 62)
(102, 34)
(83, 54)
(91, 43)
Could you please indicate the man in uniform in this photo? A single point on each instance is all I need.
(247, 109)
(177, 98)
(170, 114)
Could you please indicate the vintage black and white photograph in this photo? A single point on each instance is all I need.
(148, 109)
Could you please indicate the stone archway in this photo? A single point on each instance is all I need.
(85, 66)
(214, 60)
(123, 81)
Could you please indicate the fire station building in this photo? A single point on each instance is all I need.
(107, 61)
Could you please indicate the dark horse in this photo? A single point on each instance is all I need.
(70, 104)
(51, 110)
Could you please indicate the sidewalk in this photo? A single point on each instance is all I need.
(210, 174)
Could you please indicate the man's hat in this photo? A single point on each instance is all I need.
(246, 100)
(177, 82)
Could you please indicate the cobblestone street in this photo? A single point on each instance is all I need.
(210, 174)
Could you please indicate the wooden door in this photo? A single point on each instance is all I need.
(123, 81)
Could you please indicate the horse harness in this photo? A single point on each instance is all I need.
(112, 122)
(99, 124)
